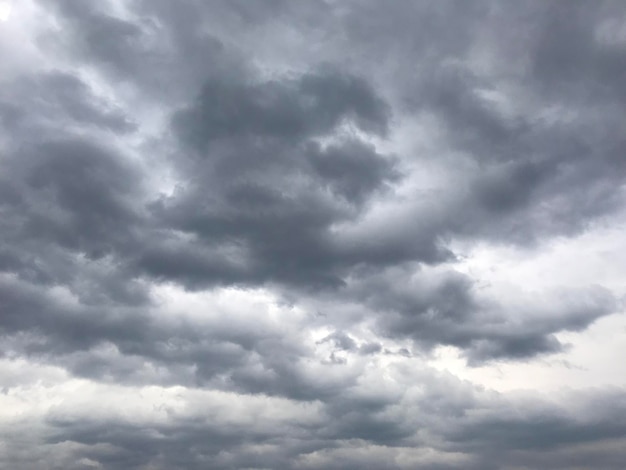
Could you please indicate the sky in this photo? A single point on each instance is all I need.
(333, 234)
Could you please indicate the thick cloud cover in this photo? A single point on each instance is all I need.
(280, 235)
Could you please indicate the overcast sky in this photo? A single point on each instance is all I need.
(324, 234)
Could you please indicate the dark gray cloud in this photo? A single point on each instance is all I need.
(55, 95)
(261, 183)
(250, 214)
(478, 429)
(447, 308)
(310, 106)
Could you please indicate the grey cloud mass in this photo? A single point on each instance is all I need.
(312, 235)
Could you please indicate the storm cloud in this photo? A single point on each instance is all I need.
(281, 235)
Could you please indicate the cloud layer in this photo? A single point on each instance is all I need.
(280, 235)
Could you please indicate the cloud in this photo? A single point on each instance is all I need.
(261, 186)
(235, 235)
